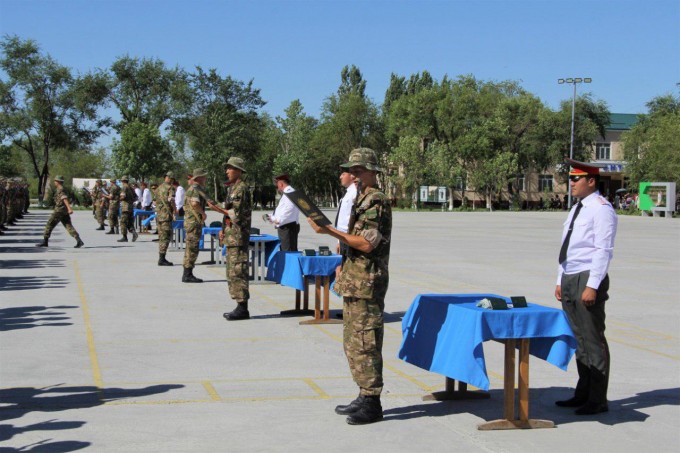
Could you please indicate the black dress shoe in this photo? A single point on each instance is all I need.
(571, 402)
(592, 409)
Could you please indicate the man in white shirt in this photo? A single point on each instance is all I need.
(146, 198)
(138, 203)
(286, 215)
(583, 285)
(347, 180)
(179, 198)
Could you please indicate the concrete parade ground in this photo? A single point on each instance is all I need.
(102, 349)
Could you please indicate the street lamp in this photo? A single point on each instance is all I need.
(572, 81)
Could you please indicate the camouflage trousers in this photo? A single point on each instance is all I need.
(113, 216)
(164, 236)
(65, 219)
(191, 243)
(126, 222)
(99, 213)
(363, 331)
(237, 273)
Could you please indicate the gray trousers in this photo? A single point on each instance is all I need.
(592, 353)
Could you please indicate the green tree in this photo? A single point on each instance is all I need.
(294, 152)
(141, 151)
(652, 146)
(43, 107)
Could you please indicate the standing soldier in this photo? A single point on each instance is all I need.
(98, 198)
(114, 205)
(165, 209)
(235, 235)
(194, 218)
(127, 199)
(363, 284)
(62, 213)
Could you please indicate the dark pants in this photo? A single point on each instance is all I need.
(288, 234)
(592, 353)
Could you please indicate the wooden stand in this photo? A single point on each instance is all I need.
(298, 311)
(510, 421)
(318, 317)
(452, 394)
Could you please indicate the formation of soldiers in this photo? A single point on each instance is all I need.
(14, 201)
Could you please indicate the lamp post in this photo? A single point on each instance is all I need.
(572, 81)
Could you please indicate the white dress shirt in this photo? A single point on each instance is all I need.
(345, 209)
(179, 197)
(146, 198)
(591, 245)
(286, 212)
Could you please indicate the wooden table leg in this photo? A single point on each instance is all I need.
(326, 294)
(510, 421)
(305, 311)
(317, 304)
(452, 394)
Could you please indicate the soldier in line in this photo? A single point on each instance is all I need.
(61, 213)
(165, 211)
(194, 218)
(363, 283)
(235, 235)
(127, 199)
(99, 200)
(114, 205)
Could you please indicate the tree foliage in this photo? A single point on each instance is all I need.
(141, 151)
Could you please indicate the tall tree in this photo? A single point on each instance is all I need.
(44, 107)
(141, 151)
(294, 150)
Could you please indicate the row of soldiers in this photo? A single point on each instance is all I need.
(14, 201)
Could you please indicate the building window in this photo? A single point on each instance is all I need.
(545, 182)
(521, 185)
(460, 184)
(603, 151)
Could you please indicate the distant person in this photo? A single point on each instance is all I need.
(114, 205)
(99, 203)
(127, 199)
(583, 285)
(348, 181)
(286, 216)
(147, 199)
(138, 193)
(179, 197)
(194, 219)
(61, 213)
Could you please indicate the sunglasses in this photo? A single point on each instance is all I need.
(576, 178)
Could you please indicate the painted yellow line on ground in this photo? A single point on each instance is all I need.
(614, 340)
(409, 378)
(664, 336)
(94, 361)
(316, 388)
(214, 396)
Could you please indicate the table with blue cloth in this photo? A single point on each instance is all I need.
(444, 333)
(138, 214)
(178, 233)
(213, 232)
(294, 270)
(262, 247)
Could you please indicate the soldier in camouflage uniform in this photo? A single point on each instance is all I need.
(98, 199)
(165, 210)
(127, 199)
(363, 283)
(194, 218)
(114, 205)
(235, 235)
(62, 213)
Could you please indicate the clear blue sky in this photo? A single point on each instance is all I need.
(296, 49)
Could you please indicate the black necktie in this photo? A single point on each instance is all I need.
(337, 214)
(565, 244)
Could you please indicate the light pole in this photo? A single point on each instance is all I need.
(573, 81)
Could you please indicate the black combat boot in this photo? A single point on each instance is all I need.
(79, 243)
(111, 231)
(240, 312)
(189, 277)
(351, 407)
(162, 261)
(369, 412)
(43, 243)
(101, 228)
(123, 239)
(134, 235)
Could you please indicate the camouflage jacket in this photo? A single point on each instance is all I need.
(128, 198)
(165, 202)
(196, 194)
(365, 275)
(237, 226)
(59, 197)
(114, 191)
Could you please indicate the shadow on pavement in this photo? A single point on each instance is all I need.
(22, 283)
(30, 264)
(17, 402)
(17, 318)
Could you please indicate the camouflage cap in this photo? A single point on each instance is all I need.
(124, 178)
(237, 163)
(363, 157)
(59, 178)
(112, 180)
(170, 175)
(198, 172)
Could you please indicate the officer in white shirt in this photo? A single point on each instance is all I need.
(179, 198)
(347, 180)
(583, 283)
(286, 216)
(138, 203)
(147, 199)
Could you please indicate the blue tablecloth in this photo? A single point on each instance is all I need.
(290, 268)
(444, 333)
(142, 212)
(147, 221)
(214, 231)
(178, 224)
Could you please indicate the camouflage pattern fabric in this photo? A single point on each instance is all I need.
(165, 202)
(114, 205)
(193, 236)
(193, 223)
(127, 198)
(164, 235)
(60, 214)
(240, 208)
(363, 284)
(237, 273)
(126, 222)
